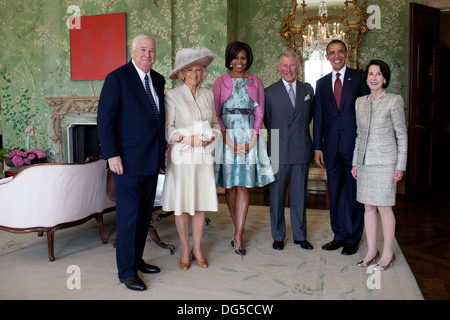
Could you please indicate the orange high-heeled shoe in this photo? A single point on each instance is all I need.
(200, 263)
(186, 266)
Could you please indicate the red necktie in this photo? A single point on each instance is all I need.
(338, 90)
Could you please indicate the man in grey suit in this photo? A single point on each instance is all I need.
(287, 116)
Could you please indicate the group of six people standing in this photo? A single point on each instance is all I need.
(216, 139)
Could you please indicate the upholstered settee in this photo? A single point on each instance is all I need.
(47, 197)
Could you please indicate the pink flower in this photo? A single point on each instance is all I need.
(37, 153)
(17, 161)
(17, 153)
(41, 154)
(20, 158)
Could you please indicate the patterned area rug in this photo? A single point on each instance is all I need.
(85, 268)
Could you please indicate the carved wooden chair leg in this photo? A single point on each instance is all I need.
(99, 219)
(155, 237)
(164, 215)
(51, 243)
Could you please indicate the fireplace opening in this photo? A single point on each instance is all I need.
(83, 142)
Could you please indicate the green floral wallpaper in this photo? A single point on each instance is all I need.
(260, 25)
(390, 43)
(35, 51)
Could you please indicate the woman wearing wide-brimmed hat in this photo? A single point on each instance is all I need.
(191, 129)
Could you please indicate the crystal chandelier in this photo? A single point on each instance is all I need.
(316, 40)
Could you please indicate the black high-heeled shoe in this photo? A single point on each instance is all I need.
(238, 248)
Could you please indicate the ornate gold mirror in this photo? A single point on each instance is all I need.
(312, 24)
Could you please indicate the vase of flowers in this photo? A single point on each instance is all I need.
(18, 159)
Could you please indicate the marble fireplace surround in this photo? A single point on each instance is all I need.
(64, 105)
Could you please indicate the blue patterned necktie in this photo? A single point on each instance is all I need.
(291, 95)
(150, 97)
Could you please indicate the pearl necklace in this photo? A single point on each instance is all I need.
(378, 97)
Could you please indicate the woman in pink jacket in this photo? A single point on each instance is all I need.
(242, 161)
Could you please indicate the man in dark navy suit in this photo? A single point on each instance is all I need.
(130, 122)
(335, 131)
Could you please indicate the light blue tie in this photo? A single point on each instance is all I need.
(291, 95)
(150, 97)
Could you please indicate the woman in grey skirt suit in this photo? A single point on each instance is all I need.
(379, 159)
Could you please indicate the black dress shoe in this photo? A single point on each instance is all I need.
(304, 244)
(278, 245)
(333, 245)
(134, 283)
(350, 249)
(148, 268)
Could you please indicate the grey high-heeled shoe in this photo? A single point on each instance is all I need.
(362, 263)
(383, 268)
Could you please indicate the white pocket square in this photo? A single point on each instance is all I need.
(307, 98)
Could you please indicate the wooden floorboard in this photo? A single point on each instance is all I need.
(423, 233)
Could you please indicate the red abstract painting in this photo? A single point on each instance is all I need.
(97, 45)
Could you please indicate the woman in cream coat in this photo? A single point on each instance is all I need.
(191, 123)
(379, 159)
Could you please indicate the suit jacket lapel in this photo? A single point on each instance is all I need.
(299, 98)
(329, 91)
(348, 82)
(285, 101)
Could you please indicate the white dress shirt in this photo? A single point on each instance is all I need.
(341, 77)
(142, 76)
(294, 86)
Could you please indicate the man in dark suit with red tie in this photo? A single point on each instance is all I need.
(131, 124)
(335, 132)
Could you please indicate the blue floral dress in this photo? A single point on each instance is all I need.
(253, 169)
